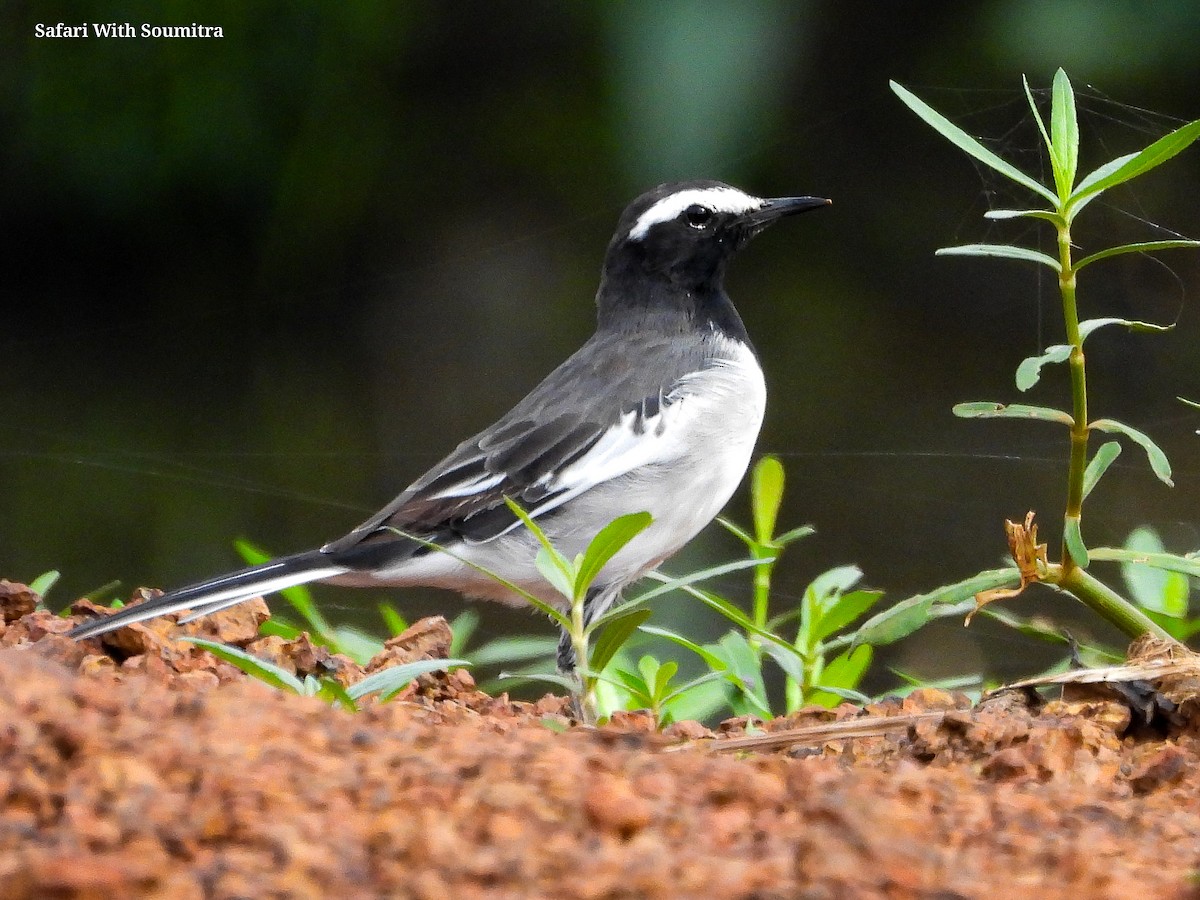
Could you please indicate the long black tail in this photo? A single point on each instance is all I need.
(217, 593)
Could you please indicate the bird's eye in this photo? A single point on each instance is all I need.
(698, 216)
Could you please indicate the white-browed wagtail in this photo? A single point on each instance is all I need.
(658, 412)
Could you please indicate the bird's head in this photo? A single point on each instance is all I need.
(685, 233)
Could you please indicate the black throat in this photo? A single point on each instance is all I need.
(630, 299)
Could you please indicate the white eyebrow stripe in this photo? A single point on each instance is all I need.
(718, 199)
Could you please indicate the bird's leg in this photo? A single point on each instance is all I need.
(566, 653)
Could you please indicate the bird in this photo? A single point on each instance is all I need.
(659, 412)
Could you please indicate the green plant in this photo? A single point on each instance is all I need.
(1063, 200)
(572, 579)
(652, 686)
(42, 584)
(821, 664)
(387, 683)
(606, 679)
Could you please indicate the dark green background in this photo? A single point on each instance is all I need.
(253, 286)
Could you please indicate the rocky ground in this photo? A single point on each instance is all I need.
(136, 766)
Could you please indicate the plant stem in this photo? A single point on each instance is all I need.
(762, 586)
(1079, 430)
(762, 593)
(1110, 605)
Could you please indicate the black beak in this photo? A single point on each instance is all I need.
(772, 210)
(779, 207)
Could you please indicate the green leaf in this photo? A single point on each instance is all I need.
(1188, 565)
(516, 648)
(672, 584)
(462, 627)
(549, 558)
(1182, 630)
(847, 609)
(907, 616)
(1087, 326)
(699, 700)
(834, 581)
(782, 540)
(550, 564)
(638, 693)
(731, 612)
(97, 595)
(1191, 403)
(44, 582)
(706, 678)
(1143, 247)
(968, 144)
(564, 682)
(841, 676)
(1030, 627)
(332, 691)
(1047, 215)
(251, 553)
(987, 410)
(299, 597)
(527, 520)
(845, 694)
(1158, 590)
(389, 681)
(1104, 457)
(1037, 117)
(915, 683)
(260, 669)
(766, 492)
(847, 669)
(613, 637)
(737, 617)
(743, 662)
(392, 620)
(557, 616)
(1030, 369)
(662, 678)
(278, 627)
(1158, 460)
(1073, 538)
(788, 658)
(740, 533)
(1132, 165)
(820, 595)
(1064, 134)
(715, 662)
(606, 544)
(354, 643)
(1003, 250)
(634, 684)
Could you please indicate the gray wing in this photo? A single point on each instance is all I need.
(586, 423)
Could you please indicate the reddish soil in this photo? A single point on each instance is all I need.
(134, 766)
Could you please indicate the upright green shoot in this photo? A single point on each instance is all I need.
(1061, 204)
